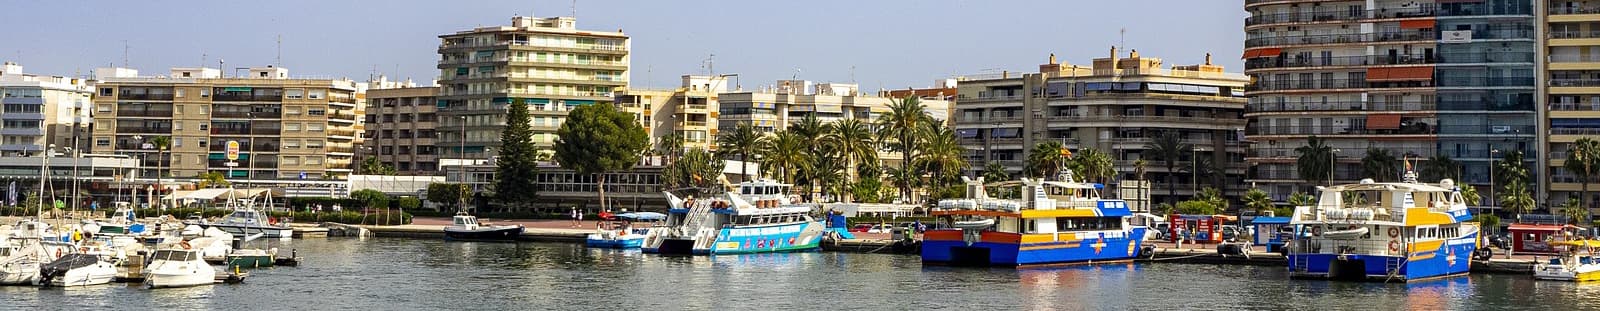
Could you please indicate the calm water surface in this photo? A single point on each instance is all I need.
(405, 274)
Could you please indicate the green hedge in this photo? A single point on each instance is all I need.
(349, 217)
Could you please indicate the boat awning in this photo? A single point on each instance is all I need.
(1269, 220)
(1400, 74)
(1383, 122)
(1263, 52)
(1536, 227)
(1417, 24)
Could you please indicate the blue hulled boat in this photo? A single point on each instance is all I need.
(1403, 231)
(1057, 222)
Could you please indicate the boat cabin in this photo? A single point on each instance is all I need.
(766, 193)
(465, 221)
(1539, 238)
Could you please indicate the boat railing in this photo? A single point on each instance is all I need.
(1077, 204)
(1347, 247)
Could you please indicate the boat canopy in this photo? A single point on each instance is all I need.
(1407, 187)
(1579, 243)
(646, 216)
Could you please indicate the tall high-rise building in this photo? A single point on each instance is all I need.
(40, 111)
(1415, 79)
(284, 128)
(1116, 105)
(1572, 46)
(546, 62)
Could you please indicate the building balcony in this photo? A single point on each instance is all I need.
(1337, 16)
(225, 97)
(1582, 13)
(145, 113)
(144, 130)
(1449, 81)
(1333, 84)
(1192, 121)
(22, 131)
(141, 96)
(1398, 36)
(341, 133)
(1338, 106)
(22, 116)
(1344, 153)
(989, 120)
(241, 131)
(245, 114)
(979, 99)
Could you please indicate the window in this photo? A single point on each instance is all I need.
(177, 142)
(179, 93)
(291, 127)
(102, 108)
(291, 110)
(204, 126)
(102, 142)
(314, 127)
(313, 160)
(294, 93)
(317, 94)
(106, 91)
(291, 144)
(205, 92)
(177, 125)
(315, 112)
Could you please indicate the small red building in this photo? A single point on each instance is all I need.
(1197, 228)
(1534, 239)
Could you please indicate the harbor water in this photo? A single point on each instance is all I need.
(405, 274)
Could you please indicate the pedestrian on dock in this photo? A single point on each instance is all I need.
(574, 215)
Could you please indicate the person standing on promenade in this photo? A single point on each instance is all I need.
(574, 217)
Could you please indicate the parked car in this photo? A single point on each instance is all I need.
(861, 228)
(881, 228)
(1229, 232)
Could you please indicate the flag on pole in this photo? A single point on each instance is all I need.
(11, 193)
(1066, 153)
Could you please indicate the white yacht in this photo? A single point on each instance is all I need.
(77, 269)
(180, 266)
(1386, 231)
(761, 217)
(1578, 264)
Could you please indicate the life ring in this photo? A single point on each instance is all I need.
(1394, 246)
(1394, 232)
(58, 253)
(1316, 230)
(82, 250)
(688, 203)
(184, 244)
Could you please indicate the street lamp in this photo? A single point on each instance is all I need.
(1492, 155)
(1333, 164)
(1194, 171)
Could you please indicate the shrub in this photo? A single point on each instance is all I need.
(409, 203)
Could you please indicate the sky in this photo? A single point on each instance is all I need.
(880, 44)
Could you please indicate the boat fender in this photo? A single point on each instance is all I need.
(83, 250)
(58, 253)
(1394, 232)
(1394, 246)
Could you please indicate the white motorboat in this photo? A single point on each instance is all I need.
(77, 270)
(1578, 264)
(18, 265)
(178, 267)
(213, 245)
(248, 221)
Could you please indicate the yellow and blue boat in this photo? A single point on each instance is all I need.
(1388, 231)
(761, 217)
(1057, 222)
(1578, 264)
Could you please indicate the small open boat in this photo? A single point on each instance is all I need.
(1578, 264)
(466, 228)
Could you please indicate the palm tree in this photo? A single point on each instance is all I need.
(1301, 199)
(1257, 200)
(811, 129)
(1094, 165)
(1315, 160)
(1214, 197)
(1204, 169)
(212, 180)
(1138, 168)
(1470, 193)
(897, 130)
(1380, 165)
(996, 172)
(1440, 167)
(1168, 148)
(1510, 169)
(1582, 158)
(670, 146)
(1516, 199)
(941, 155)
(784, 153)
(828, 170)
(1045, 159)
(744, 141)
(1574, 211)
(855, 141)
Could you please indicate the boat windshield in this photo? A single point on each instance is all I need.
(244, 216)
(172, 255)
(5, 252)
(465, 221)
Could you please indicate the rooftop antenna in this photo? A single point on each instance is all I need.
(203, 60)
(710, 64)
(124, 53)
(279, 61)
(574, 9)
(852, 73)
(1122, 38)
(222, 67)
(796, 74)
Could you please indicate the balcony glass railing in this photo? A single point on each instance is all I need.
(1338, 15)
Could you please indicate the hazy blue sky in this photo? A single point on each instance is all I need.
(891, 44)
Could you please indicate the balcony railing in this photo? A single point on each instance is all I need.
(1342, 38)
(1332, 84)
(144, 130)
(998, 119)
(1126, 118)
(1381, 60)
(144, 113)
(1574, 131)
(1574, 34)
(246, 97)
(1338, 15)
(140, 96)
(1574, 106)
(1344, 153)
(239, 131)
(1571, 11)
(1336, 130)
(1572, 58)
(245, 114)
(1340, 106)
(989, 98)
(1574, 82)
(1450, 81)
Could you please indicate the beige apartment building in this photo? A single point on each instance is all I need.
(546, 62)
(284, 128)
(1115, 105)
(689, 111)
(401, 126)
(41, 110)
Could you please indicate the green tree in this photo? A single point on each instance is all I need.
(1489, 221)
(1380, 165)
(697, 168)
(1510, 169)
(871, 184)
(1576, 213)
(898, 130)
(811, 129)
(1168, 148)
(783, 154)
(743, 141)
(1214, 197)
(670, 146)
(1470, 194)
(162, 145)
(1164, 209)
(518, 166)
(1298, 199)
(1045, 160)
(1516, 199)
(855, 141)
(1094, 165)
(941, 156)
(1314, 161)
(597, 139)
(370, 198)
(1257, 200)
(372, 166)
(445, 194)
(212, 180)
(1197, 207)
(1583, 158)
(409, 203)
(995, 172)
(1440, 167)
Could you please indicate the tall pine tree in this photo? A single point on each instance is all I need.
(597, 139)
(518, 159)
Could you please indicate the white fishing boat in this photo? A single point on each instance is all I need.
(1059, 221)
(77, 269)
(178, 266)
(1578, 264)
(28, 246)
(246, 221)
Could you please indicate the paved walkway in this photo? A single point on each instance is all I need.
(587, 225)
